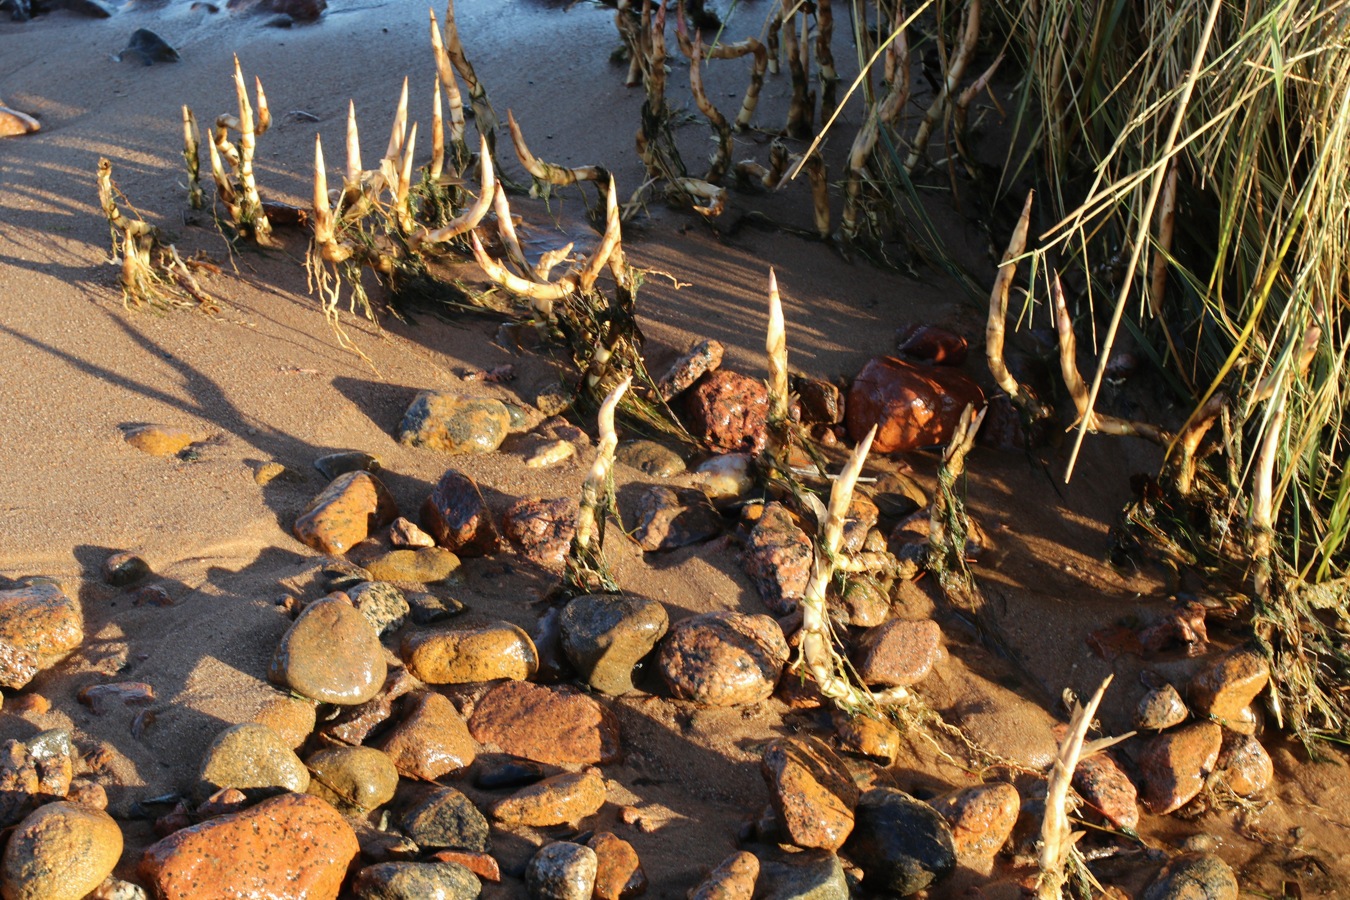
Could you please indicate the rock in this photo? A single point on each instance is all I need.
(618, 871)
(554, 398)
(103, 697)
(733, 879)
(729, 412)
(723, 658)
(778, 558)
(382, 846)
(542, 530)
(62, 851)
(821, 402)
(41, 621)
(561, 871)
(557, 800)
(458, 518)
(913, 406)
(981, 818)
(416, 881)
(406, 535)
(1161, 708)
(860, 518)
(902, 844)
(1229, 683)
(345, 513)
(554, 666)
(428, 609)
(426, 565)
(897, 495)
(931, 344)
(542, 453)
(382, 603)
(700, 359)
(670, 518)
(899, 653)
(147, 48)
(480, 864)
(726, 478)
(14, 123)
(292, 718)
(650, 458)
(865, 736)
(1105, 788)
(252, 758)
(292, 847)
(158, 441)
(605, 636)
(500, 771)
(431, 741)
(50, 752)
(452, 423)
(555, 726)
(84, 792)
(124, 568)
(153, 594)
(445, 819)
(354, 724)
(332, 465)
(812, 792)
(1175, 764)
(330, 654)
(355, 780)
(17, 666)
(863, 605)
(1244, 765)
(1193, 876)
(114, 888)
(808, 875)
(473, 653)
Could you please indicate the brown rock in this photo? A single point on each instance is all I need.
(860, 518)
(123, 568)
(1174, 765)
(223, 802)
(670, 518)
(425, 565)
(821, 402)
(41, 621)
(292, 718)
(103, 697)
(865, 736)
(811, 790)
(87, 793)
(345, 513)
(159, 441)
(474, 653)
(355, 780)
(1244, 764)
(405, 534)
(729, 412)
(330, 654)
(618, 871)
(452, 423)
(734, 879)
(292, 847)
(723, 658)
(355, 723)
(480, 864)
(700, 359)
(913, 406)
(432, 740)
(982, 818)
(1160, 709)
(63, 851)
(1224, 687)
(864, 604)
(898, 653)
(778, 559)
(1106, 788)
(542, 530)
(458, 518)
(252, 758)
(17, 666)
(14, 123)
(931, 344)
(560, 799)
(555, 726)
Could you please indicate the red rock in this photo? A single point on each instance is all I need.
(458, 518)
(17, 666)
(931, 344)
(103, 697)
(778, 559)
(913, 406)
(1244, 764)
(560, 799)
(555, 726)
(981, 817)
(542, 530)
(723, 658)
(729, 412)
(1174, 765)
(865, 736)
(40, 620)
(618, 871)
(734, 879)
(1228, 684)
(345, 513)
(431, 741)
(812, 792)
(898, 653)
(292, 847)
(1106, 788)
(480, 864)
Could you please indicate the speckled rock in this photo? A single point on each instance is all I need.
(863, 735)
(733, 879)
(1193, 876)
(1107, 790)
(39, 620)
(403, 533)
(864, 603)
(669, 518)
(860, 518)
(445, 819)
(452, 423)
(808, 875)
(913, 405)
(1161, 708)
(382, 846)
(698, 360)
(604, 637)
(729, 412)
(62, 851)
(726, 478)
(898, 653)
(331, 465)
(1228, 684)
(723, 658)
(382, 603)
(902, 844)
(981, 818)
(561, 871)
(556, 726)
(101, 698)
(432, 739)
(542, 530)
(428, 609)
(778, 558)
(416, 881)
(345, 513)
(618, 871)
(159, 441)
(458, 518)
(330, 654)
(1244, 764)
(811, 790)
(557, 800)
(124, 568)
(1175, 764)
(473, 653)
(650, 458)
(292, 847)
(252, 758)
(354, 779)
(17, 666)
(425, 565)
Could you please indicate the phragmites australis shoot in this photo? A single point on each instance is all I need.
(586, 569)
(192, 139)
(948, 523)
(966, 41)
(829, 78)
(241, 196)
(721, 158)
(445, 73)
(469, 219)
(994, 332)
(484, 117)
(546, 175)
(882, 114)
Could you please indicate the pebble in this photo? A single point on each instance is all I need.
(426, 565)
(252, 758)
(556, 726)
(50, 752)
(913, 406)
(812, 792)
(726, 478)
(62, 851)
(1244, 764)
(330, 654)
(500, 771)
(432, 739)
(40, 620)
(902, 844)
(1193, 876)
(452, 423)
(456, 515)
(345, 513)
(618, 871)
(542, 530)
(416, 881)
(332, 465)
(981, 818)
(382, 846)
(723, 658)
(542, 453)
(406, 535)
(17, 666)
(472, 653)
(292, 718)
(554, 666)
(897, 495)
(778, 558)
(729, 412)
(561, 871)
(84, 792)
(159, 441)
(114, 888)
(124, 568)
(1105, 787)
(445, 819)
(292, 847)
(931, 344)
(1229, 683)
(604, 636)
(864, 604)
(821, 402)
(147, 47)
(700, 359)
(733, 879)
(1161, 708)
(1175, 764)
(14, 123)
(898, 653)
(356, 780)
(650, 458)
(382, 603)
(865, 736)
(103, 697)
(354, 724)
(671, 518)
(428, 609)
(558, 800)
(808, 875)
(480, 864)
(859, 519)
(554, 398)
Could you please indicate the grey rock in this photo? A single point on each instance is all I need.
(561, 871)
(445, 819)
(453, 423)
(332, 465)
(382, 603)
(254, 759)
(417, 881)
(808, 875)
(902, 844)
(124, 568)
(605, 636)
(1193, 876)
(650, 458)
(428, 608)
(670, 518)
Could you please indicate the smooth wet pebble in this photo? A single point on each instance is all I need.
(723, 658)
(604, 637)
(561, 871)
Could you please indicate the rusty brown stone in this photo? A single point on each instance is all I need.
(812, 792)
(345, 513)
(912, 406)
(556, 726)
(729, 412)
(458, 518)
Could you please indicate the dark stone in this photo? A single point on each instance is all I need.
(149, 48)
(901, 844)
(124, 568)
(605, 636)
(499, 771)
(458, 518)
(334, 464)
(445, 819)
(1193, 876)
(416, 881)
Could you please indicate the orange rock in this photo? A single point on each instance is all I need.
(40, 619)
(159, 441)
(568, 797)
(982, 817)
(812, 792)
(345, 513)
(912, 406)
(480, 864)
(479, 653)
(431, 741)
(548, 725)
(13, 122)
(1175, 764)
(734, 879)
(1224, 687)
(618, 872)
(292, 847)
